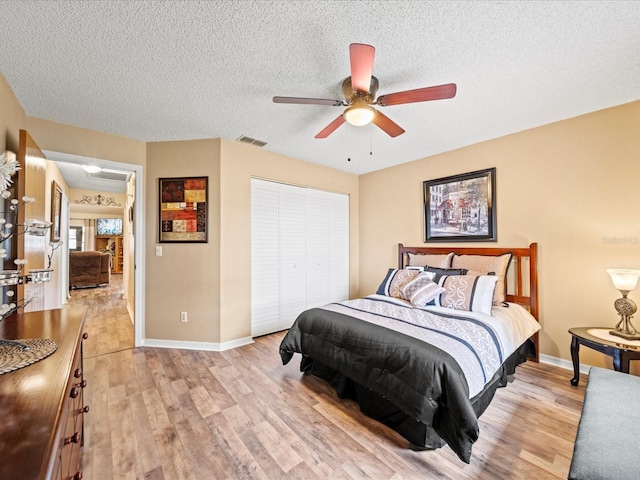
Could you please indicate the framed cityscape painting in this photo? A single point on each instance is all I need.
(183, 209)
(461, 208)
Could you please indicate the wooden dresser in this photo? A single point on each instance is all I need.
(42, 405)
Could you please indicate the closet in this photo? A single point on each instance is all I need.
(299, 252)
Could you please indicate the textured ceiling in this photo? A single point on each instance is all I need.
(156, 71)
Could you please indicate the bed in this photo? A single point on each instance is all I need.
(430, 370)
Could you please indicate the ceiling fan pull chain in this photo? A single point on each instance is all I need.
(349, 143)
(370, 142)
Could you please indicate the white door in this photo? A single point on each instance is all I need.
(338, 247)
(318, 258)
(293, 247)
(265, 258)
(299, 252)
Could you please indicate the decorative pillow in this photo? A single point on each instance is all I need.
(421, 290)
(467, 292)
(485, 264)
(439, 261)
(395, 280)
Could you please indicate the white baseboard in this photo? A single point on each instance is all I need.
(562, 363)
(206, 346)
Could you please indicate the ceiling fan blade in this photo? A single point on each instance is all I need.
(329, 129)
(390, 127)
(438, 92)
(361, 66)
(308, 101)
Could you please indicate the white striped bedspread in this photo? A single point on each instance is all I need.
(479, 343)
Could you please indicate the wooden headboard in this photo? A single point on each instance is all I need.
(522, 275)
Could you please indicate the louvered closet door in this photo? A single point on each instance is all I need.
(265, 257)
(299, 252)
(338, 267)
(318, 257)
(293, 246)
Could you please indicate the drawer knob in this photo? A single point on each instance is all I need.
(85, 336)
(82, 384)
(78, 475)
(74, 392)
(84, 409)
(75, 438)
(77, 373)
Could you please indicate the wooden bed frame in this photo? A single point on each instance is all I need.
(522, 273)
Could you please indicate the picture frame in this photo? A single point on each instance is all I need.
(56, 209)
(461, 208)
(183, 210)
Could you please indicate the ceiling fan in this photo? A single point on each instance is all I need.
(360, 90)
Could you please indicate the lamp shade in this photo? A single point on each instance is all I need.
(359, 115)
(624, 279)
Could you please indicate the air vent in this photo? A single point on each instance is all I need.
(106, 174)
(251, 141)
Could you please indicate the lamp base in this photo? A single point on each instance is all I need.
(626, 336)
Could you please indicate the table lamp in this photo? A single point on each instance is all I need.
(625, 280)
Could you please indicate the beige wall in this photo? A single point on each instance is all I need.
(186, 278)
(239, 163)
(571, 186)
(12, 117)
(54, 289)
(58, 137)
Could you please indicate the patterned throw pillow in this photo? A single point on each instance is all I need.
(486, 264)
(421, 290)
(395, 280)
(467, 292)
(438, 261)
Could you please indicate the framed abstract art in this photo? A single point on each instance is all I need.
(183, 210)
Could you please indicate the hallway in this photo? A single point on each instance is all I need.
(108, 322)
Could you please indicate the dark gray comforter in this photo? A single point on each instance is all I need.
(423, 381)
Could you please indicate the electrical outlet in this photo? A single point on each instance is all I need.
(183, 317)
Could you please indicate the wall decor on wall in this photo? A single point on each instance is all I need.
(183, 209)
(461, 208)
(99, 200)
(56, 207)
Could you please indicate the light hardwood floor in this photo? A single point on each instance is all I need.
(108, 323)
(179, 414)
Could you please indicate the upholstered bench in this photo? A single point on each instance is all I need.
(607, 444)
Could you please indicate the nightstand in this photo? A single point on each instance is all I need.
(622, 351)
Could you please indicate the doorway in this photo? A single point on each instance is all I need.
(131, 210)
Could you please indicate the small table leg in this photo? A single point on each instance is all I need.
(620, 361)
(575, 350)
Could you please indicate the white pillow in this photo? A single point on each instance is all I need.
(473, 293)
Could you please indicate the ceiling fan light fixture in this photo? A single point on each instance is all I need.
(358, 115)
(91, 168)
